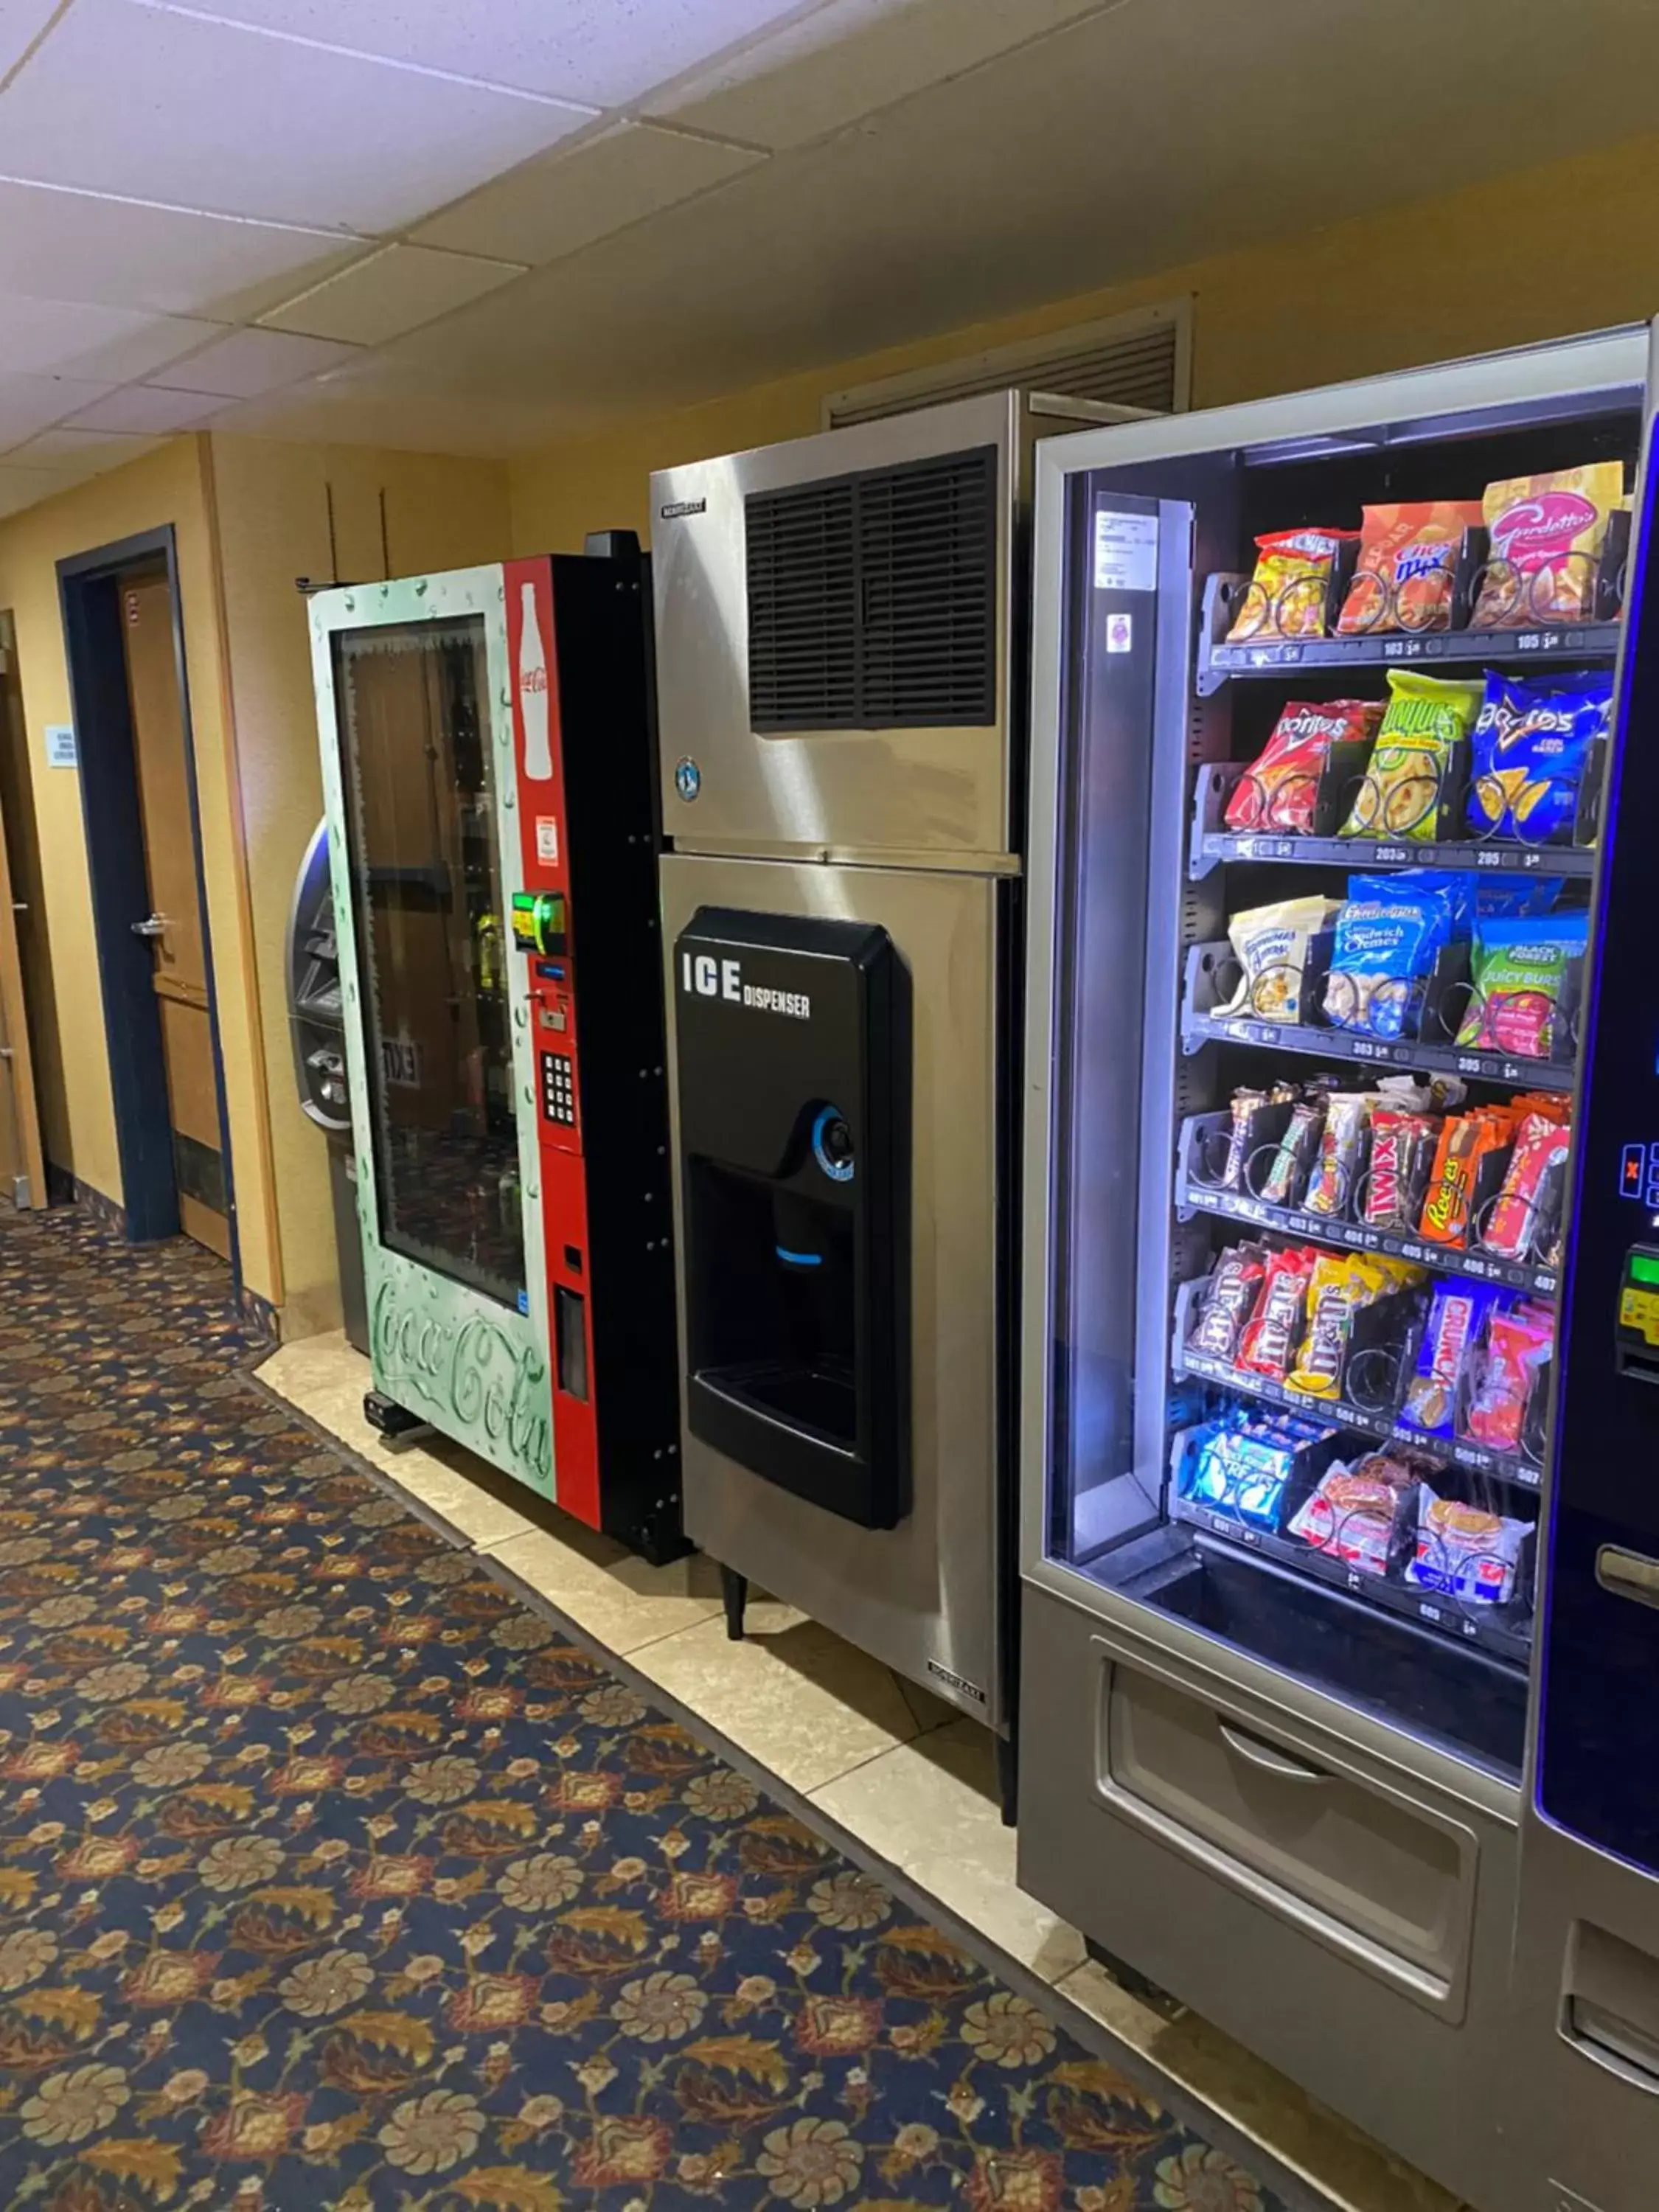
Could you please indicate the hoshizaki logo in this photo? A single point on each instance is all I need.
(678, 509)
(703, 976)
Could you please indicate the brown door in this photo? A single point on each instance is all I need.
(22, 1168)
(174, 925)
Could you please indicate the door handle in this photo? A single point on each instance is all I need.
(156, 925)
(1628, 1574)
(20, 906)
(1269, 1760)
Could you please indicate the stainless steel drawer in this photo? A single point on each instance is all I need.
(1354, 1861)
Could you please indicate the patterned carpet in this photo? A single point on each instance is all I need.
(332, 1877)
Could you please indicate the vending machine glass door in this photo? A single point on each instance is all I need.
(420, 780)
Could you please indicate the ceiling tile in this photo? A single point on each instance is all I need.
(147, 411)
(392, 291)
(135, 99)
(69, 337)
(28, 404)
(553, 206)
(604, 51)
(115, 253)
(851, 57)
(249, 362)
(21, 21)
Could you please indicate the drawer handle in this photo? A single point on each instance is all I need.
(1628, 1574)
(1267, 1758)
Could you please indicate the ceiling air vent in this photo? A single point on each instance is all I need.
(873, 599)
(1139, 360)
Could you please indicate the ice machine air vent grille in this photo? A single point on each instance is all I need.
(873, 599)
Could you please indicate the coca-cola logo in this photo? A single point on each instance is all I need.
(533, 679)
(1548, 524)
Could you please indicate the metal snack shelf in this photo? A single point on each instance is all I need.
(1197, 1030)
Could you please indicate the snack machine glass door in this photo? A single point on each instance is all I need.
(419, 777)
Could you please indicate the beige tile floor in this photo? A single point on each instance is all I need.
(897, 1769)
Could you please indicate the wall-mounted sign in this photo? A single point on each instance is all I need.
(60, 744)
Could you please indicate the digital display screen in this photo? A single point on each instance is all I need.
(1644, 1271)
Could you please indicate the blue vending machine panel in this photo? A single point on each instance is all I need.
(1598, 1762)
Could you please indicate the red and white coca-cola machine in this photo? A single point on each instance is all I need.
(489, 763)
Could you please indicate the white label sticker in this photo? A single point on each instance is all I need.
(1125, 552)
(1119, 633)
(60, 744)
(400, 1062)
(547, 839)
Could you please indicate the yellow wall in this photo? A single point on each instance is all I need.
(1572, 247)
(164, 487)
(273, 526)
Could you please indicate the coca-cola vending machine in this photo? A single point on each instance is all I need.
(488, 765)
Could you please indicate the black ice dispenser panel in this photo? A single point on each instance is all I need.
(794, 1079)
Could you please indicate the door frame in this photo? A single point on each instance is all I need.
(88, 590)
(14, 983)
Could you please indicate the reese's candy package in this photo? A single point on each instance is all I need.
(1278, 791)
(1425, 719)
(1408, 558)
(1466, 1140)
(1271, 945)
(1465, 1552)
(1547, 532)
(1285, 597)
(1531, 746)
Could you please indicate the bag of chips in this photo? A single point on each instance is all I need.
(1464, 1553)
(1353, 1513)
(1456, 1320)
(1390, 934)
(1286, 596)
(1426, 718)
(1531, 745)
(1547, 532)
(1271, 945)
(1279, 790)
(1523, 970)
(1408, 558)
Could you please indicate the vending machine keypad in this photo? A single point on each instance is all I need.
(558, 1090)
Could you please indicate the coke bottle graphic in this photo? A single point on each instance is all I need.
(532, 690)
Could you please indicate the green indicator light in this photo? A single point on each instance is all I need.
(1644, 1271)
(538, 921)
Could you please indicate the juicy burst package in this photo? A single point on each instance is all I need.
(1407, 560)
(1523, 968)
(1547, 532)
(1531, 746)
(1286, 595)
(1426, 718)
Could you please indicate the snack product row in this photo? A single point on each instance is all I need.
(1383, 1513)
(1464, 1364)
(1386, 940)
(1490, 1178)
(1545, 537)
(1529, 743)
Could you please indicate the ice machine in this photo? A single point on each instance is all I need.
(489, 766)
(840, 635)
(1323, 708)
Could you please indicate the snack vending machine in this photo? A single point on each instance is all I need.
(489, 772)
(1586, 2059)
(1323, 711)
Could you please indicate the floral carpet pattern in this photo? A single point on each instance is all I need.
(333, 1877)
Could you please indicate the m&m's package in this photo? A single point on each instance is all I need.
(1425, 720)
(1275, 1328)
(1408, 558)
(1229, 1299)
(1524, 980)
(1547, 532)
(1279, 790)
(1530, 748)
(1286, 596)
